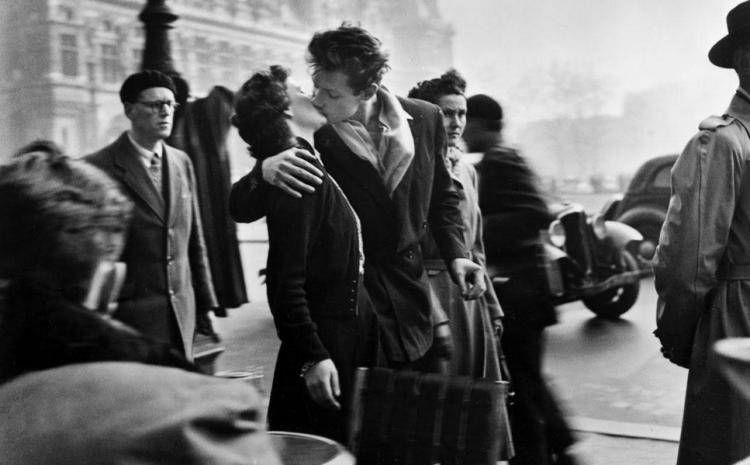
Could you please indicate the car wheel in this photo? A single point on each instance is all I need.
(614, 302)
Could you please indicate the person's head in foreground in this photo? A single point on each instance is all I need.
(60, 218)
(447, 92)
(131, 414)
(347, 66)
(271, 112)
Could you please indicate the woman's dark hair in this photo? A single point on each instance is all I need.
(450, 83)
(261, 113)
(352, 50)
(56, 215)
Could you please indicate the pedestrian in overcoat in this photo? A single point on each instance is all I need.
(702, 262)
(168, 285)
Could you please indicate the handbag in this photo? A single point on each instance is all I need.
(414, 418)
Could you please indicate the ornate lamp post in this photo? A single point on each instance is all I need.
(157, 18)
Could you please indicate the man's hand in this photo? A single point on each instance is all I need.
(292, 171)
(469, 276)
(322, 381)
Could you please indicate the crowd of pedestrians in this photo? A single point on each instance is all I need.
(383, 246)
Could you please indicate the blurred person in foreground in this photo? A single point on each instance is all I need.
(168, 290)
(120, 413)
(387, 154)
(475, 325)
(702, 262)
(514, 212)
(314, 273)
(62, 228)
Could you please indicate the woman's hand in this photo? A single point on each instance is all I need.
(292, 171)
(322, 380)
(469, 276)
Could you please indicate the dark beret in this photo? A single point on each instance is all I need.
(483, 107)
(146, 79)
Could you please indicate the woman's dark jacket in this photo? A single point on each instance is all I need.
(319, 305)
(42, 329)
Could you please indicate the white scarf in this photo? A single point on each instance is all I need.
(396, 149)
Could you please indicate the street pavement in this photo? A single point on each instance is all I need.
(623, 399)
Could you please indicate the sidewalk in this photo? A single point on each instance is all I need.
(599, 449)
(250, 340)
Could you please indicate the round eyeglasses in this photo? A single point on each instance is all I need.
(156, 105)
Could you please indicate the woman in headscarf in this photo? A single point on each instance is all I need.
(474, 324)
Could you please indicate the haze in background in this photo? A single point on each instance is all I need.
(594, 87)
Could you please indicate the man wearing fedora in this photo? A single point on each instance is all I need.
(702, 262)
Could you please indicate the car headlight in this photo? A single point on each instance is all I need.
(599, 225)
(557, 233)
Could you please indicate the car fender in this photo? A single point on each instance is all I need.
(643, 215)
(621, 234)
(609, 210)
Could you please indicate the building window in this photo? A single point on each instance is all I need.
(66, 13)
(69, 54)
(110, 64)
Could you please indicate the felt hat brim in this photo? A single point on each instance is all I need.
(722, 53)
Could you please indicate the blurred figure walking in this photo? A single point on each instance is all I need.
(514, 212)
(702, 262)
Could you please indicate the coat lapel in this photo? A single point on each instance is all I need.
(135, 176)
(174, 178)
(401, 196)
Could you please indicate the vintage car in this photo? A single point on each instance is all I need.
(597, 261)
(644, 204)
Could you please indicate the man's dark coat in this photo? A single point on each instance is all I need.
(391, 227)
(202, 133)
(168, 274)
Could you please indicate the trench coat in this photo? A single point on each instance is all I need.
(702, 277)
(168, 277)
(475, 350)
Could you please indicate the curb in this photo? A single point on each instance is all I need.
(625, 429)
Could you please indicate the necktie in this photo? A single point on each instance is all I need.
(154, 171)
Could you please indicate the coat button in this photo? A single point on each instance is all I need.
(171, 292)
(410, 255)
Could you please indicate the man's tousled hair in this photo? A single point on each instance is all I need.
(352, 50)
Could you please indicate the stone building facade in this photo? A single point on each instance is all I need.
(62, 61)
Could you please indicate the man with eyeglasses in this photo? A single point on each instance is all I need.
(168, 290)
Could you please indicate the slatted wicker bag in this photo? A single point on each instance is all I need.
(410, 418)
